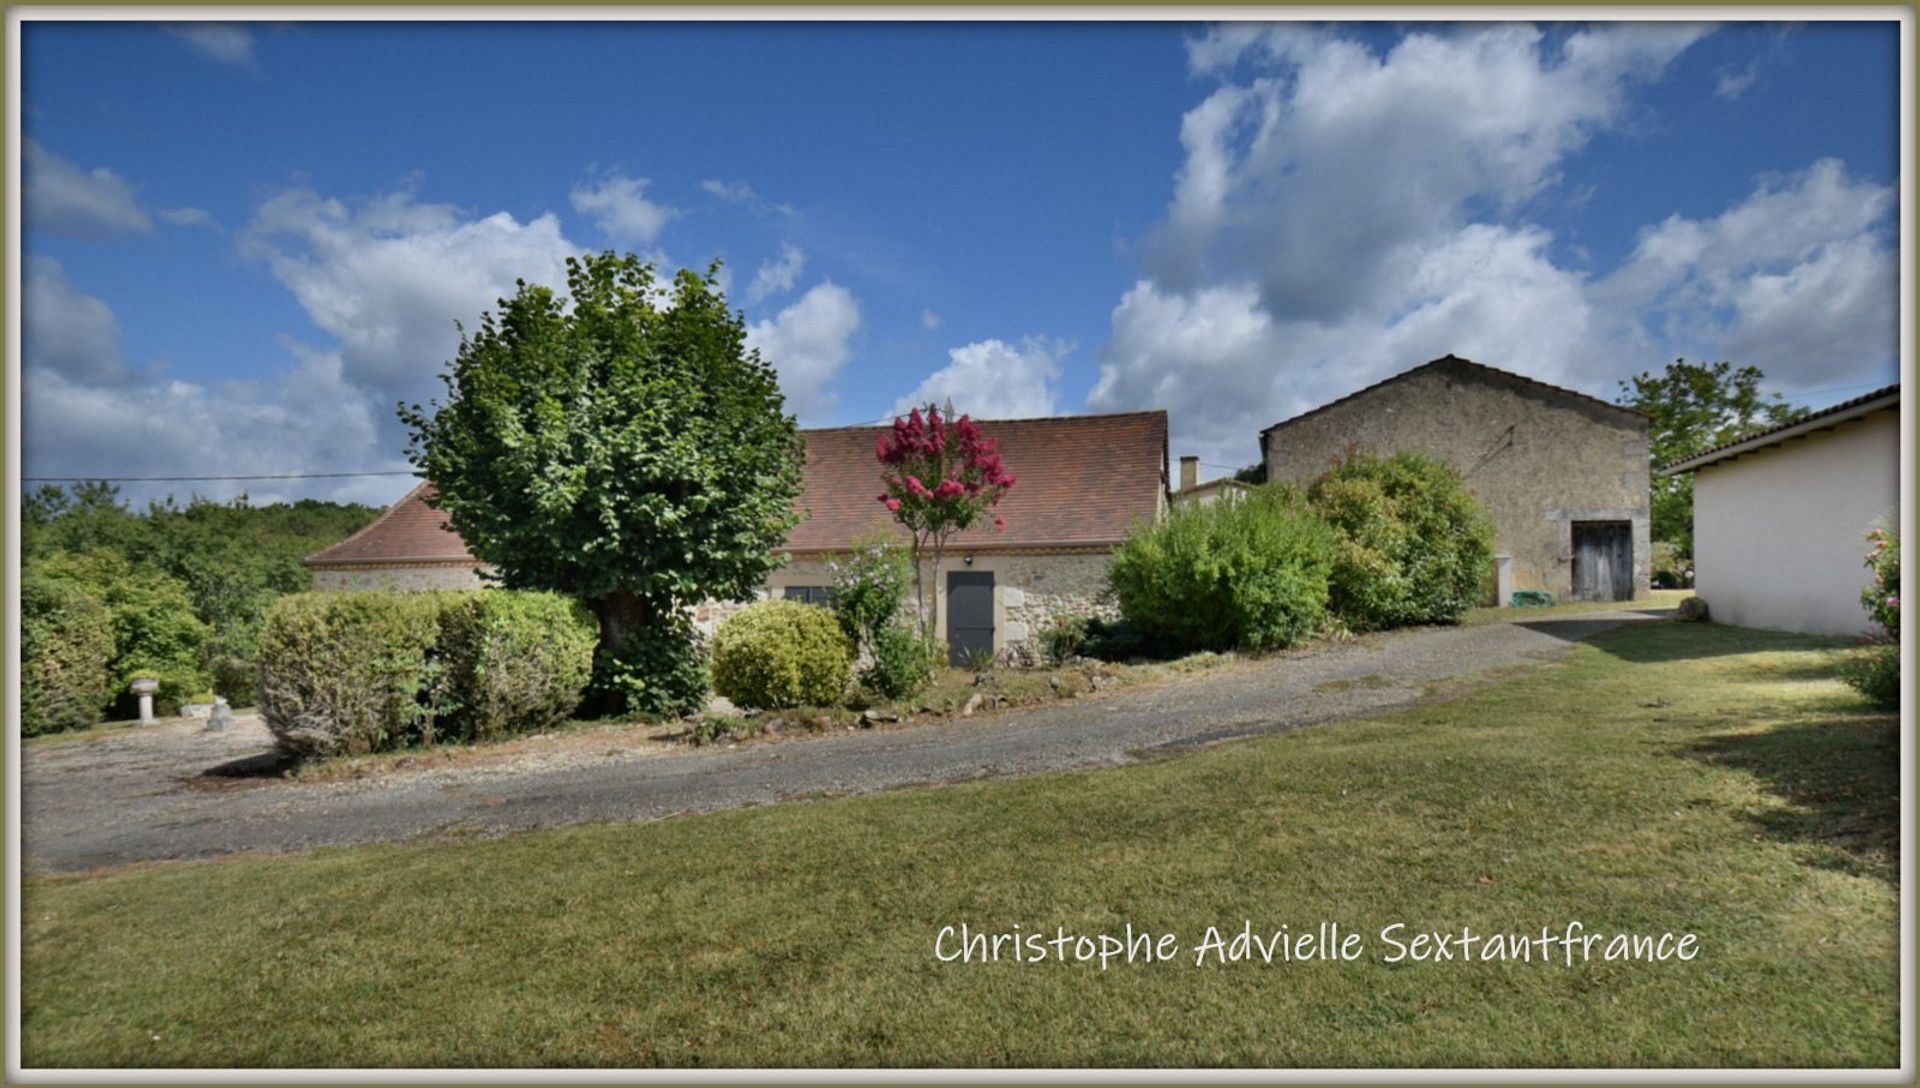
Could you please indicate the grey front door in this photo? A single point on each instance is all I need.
(1603, 560)
(969, 613)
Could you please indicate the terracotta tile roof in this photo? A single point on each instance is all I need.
(1083, 481)
(1471, 369)
(409, 532)
(1878, 400)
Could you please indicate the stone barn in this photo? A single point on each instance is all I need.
(1564, 475)
(1084, 482)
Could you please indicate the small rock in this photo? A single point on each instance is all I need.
(1692, 610)
(869, 716)
(825, 721)
(972, 704)
(774, 725)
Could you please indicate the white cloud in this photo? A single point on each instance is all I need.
(228, 43)
(389, 277)
(188, 217)
(807, 342)
(991, 379)
(66, 331)
(1730, 82)
(1798, 279)
(778, 275)
(618, 205)
(61, 197)
(739, 192)
(305, 419)
(1322, 180)
(929, 320)
(1343, 214)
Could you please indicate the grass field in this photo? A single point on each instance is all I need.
(1665, 777)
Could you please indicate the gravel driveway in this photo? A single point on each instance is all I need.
(145, 794)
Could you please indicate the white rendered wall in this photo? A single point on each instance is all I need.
(1779, 536)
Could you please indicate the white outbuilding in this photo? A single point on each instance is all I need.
(1780, 519)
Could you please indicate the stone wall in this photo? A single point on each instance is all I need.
(1028, 590)
(399, 577)
(1539, 459)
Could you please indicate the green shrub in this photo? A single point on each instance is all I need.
(1251, 573)
(155, 632)
(1414, 546)
(870, 587)
(515, 662)
(902, 663)
(1670, 568)
(66, 649)
(1062, 639)
(778, 654)
(1874, 671)
(660, 671)
(351, 672)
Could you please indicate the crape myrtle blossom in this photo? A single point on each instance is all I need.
(970, 477)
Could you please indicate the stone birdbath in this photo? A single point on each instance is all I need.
(144, 687)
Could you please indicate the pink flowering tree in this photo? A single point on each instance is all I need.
(942, 476)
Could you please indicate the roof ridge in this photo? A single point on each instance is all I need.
(1704, 457)
(385, 515)
(1062, 418)
(1451, 358)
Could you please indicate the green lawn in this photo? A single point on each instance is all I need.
(1664, 777)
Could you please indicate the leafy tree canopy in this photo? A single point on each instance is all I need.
(1695, 407)
(621, 444)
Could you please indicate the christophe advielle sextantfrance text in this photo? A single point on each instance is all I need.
(1565, 944)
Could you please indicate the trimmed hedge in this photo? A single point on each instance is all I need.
(1414, 547)
(778, 654)
(66, 649)
(351, 673)
(517, 661)
(1249, 573)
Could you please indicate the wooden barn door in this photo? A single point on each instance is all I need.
(1603, 560)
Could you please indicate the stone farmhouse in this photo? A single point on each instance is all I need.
(1564, 475)
(1085, 481)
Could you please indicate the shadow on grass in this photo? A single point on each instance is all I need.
(1642, 641)
(1840, 779)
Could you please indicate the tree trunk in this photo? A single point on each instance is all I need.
(620, 615)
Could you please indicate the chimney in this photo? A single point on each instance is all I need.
(1189, 472)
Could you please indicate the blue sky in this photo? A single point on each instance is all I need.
(246, 242)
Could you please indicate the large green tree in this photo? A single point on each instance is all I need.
(1695, 407)
(622, 445)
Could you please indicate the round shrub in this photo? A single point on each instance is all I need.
(350, 673)
(66, 647)
(779, 654)
(902, 663)
(515, 662)
(1414, 547)
(1250, 573)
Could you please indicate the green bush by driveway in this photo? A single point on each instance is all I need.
(1249, 574)
(1415, 546)
(353, 673)
(66, 646)
(778, 654)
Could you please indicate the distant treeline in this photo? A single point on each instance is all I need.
(179, 588)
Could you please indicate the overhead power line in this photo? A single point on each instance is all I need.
(191, 479)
